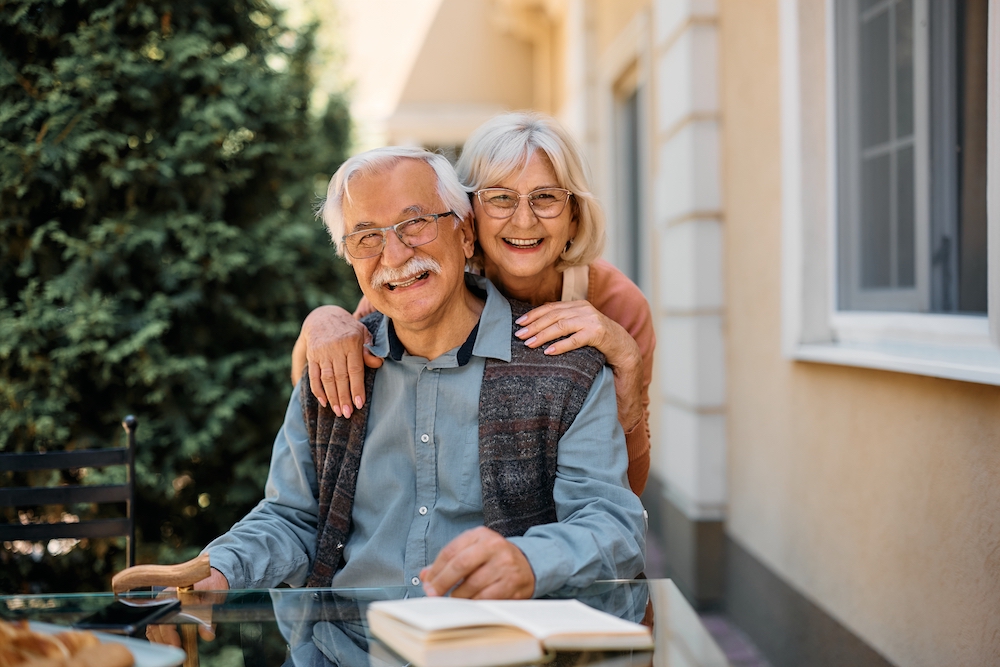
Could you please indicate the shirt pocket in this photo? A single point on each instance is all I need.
(460, 481)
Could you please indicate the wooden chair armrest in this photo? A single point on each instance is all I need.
(181, 575)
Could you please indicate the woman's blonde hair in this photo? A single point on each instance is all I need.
(502, 146)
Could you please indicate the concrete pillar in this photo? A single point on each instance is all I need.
(687, 492)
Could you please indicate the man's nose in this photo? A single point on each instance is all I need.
(396, 253)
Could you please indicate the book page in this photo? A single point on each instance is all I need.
(547, 618)
(432, 614)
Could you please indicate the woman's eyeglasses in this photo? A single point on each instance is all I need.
(544, 202)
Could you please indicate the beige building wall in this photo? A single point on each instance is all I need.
(875, 494)
(468, 69)
(426, 72)
(611, 17)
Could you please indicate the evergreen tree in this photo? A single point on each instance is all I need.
(158, 250)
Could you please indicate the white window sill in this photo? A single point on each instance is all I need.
(968, 363)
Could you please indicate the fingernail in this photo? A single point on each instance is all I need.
(347, 410)
(336, 411)
(322, 401)
(521, 333)
(550, 350)
(531, 340)
(358, 402)
(521, 319)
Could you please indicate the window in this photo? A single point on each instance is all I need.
(889, 119)
(619, 153)
(629, 178)
(911, 155)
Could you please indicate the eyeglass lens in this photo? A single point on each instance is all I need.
(370, 242)
(501, 202)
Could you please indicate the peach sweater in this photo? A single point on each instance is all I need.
(618, 298)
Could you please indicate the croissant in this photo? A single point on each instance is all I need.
(22, 647)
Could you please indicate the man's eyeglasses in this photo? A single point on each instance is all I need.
(544, 202)
(415, 232)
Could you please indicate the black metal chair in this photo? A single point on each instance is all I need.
(74, 493)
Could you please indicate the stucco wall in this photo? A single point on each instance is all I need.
(611, 17)
(875, 494)
(467, 57)
(431, 71)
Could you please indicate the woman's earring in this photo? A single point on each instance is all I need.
(569, 244)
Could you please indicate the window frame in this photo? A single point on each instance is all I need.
(625, 67)
(958, 347)
(629, 195)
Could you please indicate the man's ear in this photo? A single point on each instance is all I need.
(468, 234)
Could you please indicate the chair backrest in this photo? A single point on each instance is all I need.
(74, 493)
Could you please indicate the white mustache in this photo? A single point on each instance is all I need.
(414, 267)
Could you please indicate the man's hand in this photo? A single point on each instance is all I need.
(216, 581)
(167, 634)
(484, 565)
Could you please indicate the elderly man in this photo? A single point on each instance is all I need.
(479, 466)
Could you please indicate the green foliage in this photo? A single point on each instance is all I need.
(158, 250)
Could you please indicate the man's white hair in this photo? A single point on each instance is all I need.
(380, 160)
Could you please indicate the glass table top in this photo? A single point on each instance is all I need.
(318, 627)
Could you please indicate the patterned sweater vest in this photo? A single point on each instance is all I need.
(525, 407)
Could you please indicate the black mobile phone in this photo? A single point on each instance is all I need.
(128, 616)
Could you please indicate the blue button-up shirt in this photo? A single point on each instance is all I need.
(419, 485)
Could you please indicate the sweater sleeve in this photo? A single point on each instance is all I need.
(612, 293)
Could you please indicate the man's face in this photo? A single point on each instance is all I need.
(407, 290)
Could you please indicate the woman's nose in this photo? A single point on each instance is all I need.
(524, 216)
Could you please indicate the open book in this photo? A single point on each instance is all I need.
(451, 632)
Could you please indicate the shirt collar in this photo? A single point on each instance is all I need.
(494, 338)
(489, 338)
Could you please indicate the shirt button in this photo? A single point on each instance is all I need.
(422, 510)
(425, 438)
(415, 581)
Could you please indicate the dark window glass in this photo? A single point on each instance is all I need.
(874, 79)
(905, 220)
(972, 40)
(632, 179)
(904, 68)
(875, 228)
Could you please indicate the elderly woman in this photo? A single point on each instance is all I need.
(540, 234)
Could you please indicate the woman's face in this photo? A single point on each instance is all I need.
(525, 246)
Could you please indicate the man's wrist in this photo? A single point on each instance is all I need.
(226, 565)
(545, 562)
(216, 581)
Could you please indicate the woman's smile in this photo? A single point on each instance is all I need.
(523, 243)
